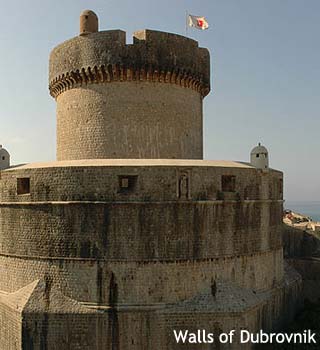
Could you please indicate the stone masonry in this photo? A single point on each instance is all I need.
(131, 234)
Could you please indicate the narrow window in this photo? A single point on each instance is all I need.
(23, 185)
(3, 157)
(281, 188)
(228, 183)
(257, 155)
(127, 183)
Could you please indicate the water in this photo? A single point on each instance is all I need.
(311, 208)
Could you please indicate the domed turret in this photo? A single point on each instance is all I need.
(89, 22)
(4, 158)
(259, 157)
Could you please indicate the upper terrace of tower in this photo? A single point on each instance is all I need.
(105, 56)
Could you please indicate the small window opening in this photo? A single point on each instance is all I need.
(23, 185)
(281, 187)
(257, 155)
(228, 183)
(127, 183)
(3, 157)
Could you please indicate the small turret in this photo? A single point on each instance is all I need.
(89, 22)
(259, 157)
(4, 158)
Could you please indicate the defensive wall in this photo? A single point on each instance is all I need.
(75, 219)
(302, 251)
(104, 250)
(140, 100)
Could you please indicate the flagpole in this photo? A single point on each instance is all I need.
(186, 22)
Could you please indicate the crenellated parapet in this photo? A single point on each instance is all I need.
(105, 57)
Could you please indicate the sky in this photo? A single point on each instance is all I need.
(265, 79)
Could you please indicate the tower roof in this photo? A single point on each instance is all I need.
(259, 149)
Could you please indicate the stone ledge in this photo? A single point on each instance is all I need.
(140, 261)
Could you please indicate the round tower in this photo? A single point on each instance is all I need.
(141, 100)
(259, 157)
(4, 158)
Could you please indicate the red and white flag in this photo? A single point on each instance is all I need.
(198, 22)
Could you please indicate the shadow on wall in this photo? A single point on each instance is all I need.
(298, 243)
(302, 252)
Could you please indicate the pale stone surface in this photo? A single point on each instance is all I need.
(259, 157)
(136, 162)
(89, 22)
(4, 158)
(129, 120)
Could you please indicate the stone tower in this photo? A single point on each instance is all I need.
(4, 158)
(115, 100)
(117, 244)
(259, 157)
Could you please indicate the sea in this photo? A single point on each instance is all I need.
(311, 208)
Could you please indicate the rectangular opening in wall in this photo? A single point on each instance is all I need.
(228, 183)
(23, 185)
(127, 183)
(281, 188)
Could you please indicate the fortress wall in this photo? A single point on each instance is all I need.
(10, 327)
(129, 120)
(213, 323)
(142, 100)
(142, 328)
(299, 243)
(150, 49)
(56, 331)
(309, 268)
(277, 309)
(142, 283)
(136, 329)
(153, 183)
(140, 231)
(131, 330)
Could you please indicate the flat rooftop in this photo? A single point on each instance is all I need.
(134, 163)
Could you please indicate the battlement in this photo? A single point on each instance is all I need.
(154, 56)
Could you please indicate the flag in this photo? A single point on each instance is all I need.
(198, 22)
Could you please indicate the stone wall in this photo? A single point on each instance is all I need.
(299, 243)
(137, 327)
(158, 51)
(309, 268)
(10, 327)
(129, 120)
(87, 180)
(142, 100)
(141, 283)
(151, 231)
(60, 331)
(141, 248)
(77, 224)
(301, 250)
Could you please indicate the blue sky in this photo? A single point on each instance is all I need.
(265, 58)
